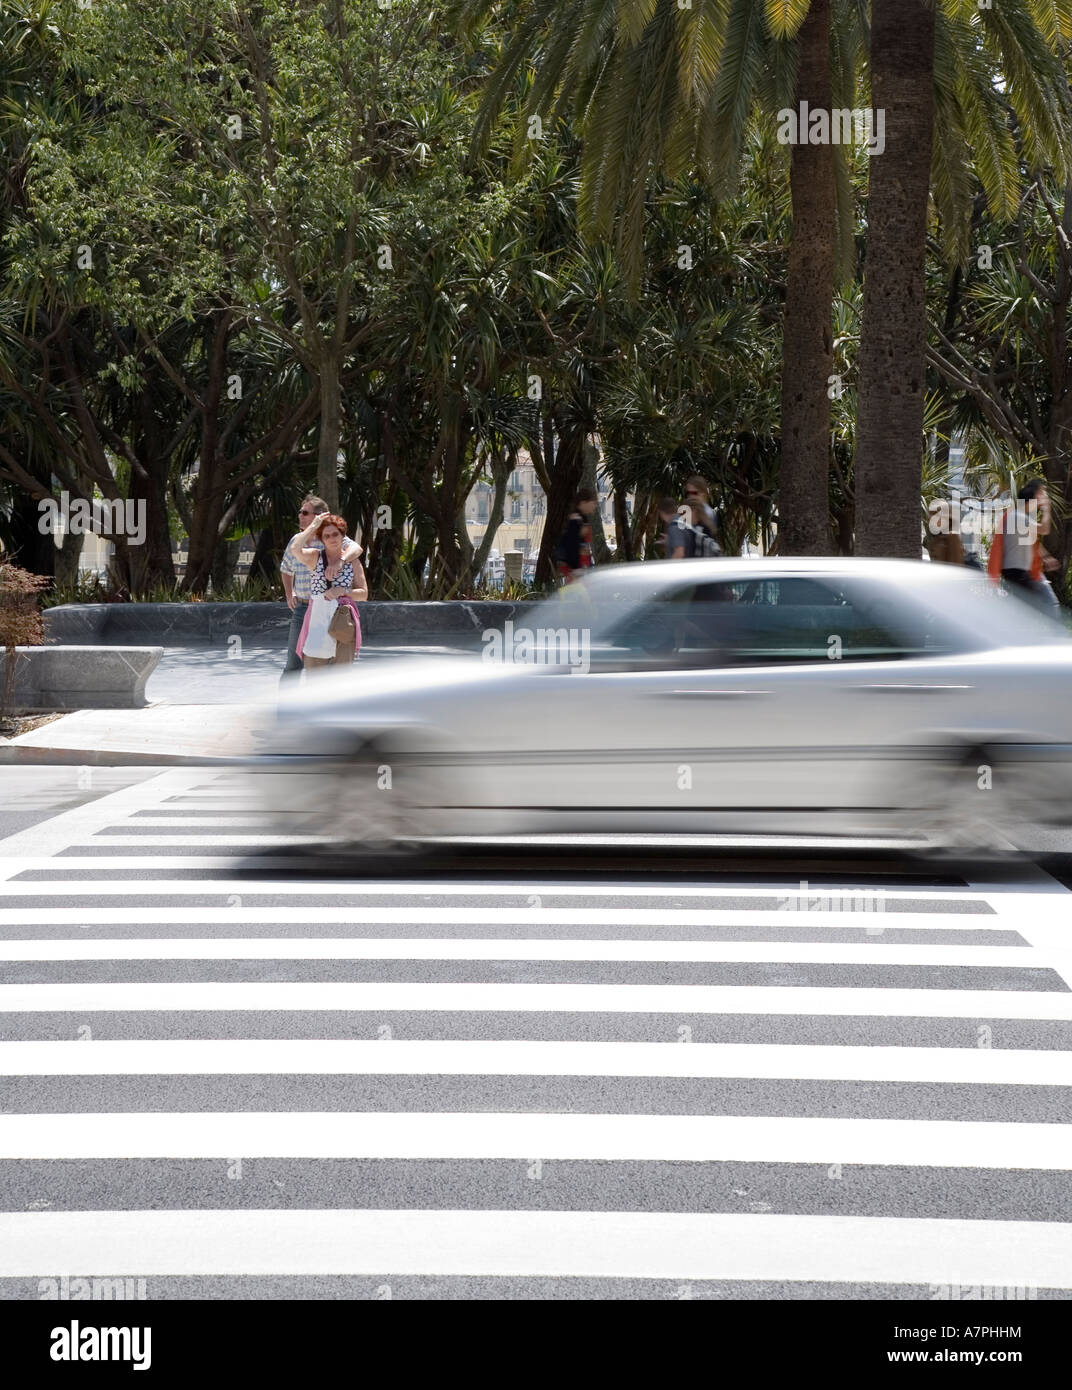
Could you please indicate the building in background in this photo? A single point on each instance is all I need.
(525, 511)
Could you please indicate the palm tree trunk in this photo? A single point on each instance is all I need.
(808, 356)
(889, 429)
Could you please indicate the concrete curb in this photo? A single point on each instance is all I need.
(21, 754)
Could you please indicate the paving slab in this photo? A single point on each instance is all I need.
(166, 731)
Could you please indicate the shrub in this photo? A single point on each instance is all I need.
(21, 624)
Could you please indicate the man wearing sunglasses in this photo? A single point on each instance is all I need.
(297, 579)
(701, 521)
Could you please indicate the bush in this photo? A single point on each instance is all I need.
(92, 589)
(21, 624)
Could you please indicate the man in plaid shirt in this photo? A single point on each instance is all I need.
(298, 578)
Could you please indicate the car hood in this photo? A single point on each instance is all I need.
(400, 688)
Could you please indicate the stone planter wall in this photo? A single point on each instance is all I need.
(456, 624)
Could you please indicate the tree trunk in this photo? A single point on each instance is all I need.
(66, 560)
(502, 464)
(601, 553)
(808, 354)
(152, 562)
(223, 565)
(645, 521)
(623, 534)
(206, 514)
(31, 549)
(1058, 466)
(208, 499)
(889, 429)
(327, 458)
(465, 546)
(263, 568)
(564, 468)
(843, 521)
(456, 558)
(422, 553)
(382, 549)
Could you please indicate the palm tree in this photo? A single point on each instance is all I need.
(664, 89)
(996, 79)
(889, 426)
(656, 90)
(807, 332)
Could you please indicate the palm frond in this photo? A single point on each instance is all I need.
(725, 115)
(784, 17)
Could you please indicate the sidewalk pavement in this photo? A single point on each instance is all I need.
(211, 676)
(204, 704)
(161, 733)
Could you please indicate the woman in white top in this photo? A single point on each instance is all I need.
(334, 578)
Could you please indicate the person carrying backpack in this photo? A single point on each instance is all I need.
(677, 539)
(700, 524)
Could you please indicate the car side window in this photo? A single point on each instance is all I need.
(649, 635)
(786, 620)
(791, 620)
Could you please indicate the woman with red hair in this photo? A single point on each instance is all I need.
(334, 581)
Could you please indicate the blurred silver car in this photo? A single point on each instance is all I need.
(746, 698)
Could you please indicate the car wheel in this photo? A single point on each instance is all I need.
(964, 806)
(381, 798)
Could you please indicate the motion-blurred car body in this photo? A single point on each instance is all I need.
(801, 698)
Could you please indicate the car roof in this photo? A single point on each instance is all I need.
(772, 567)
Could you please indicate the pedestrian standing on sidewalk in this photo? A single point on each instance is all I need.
(703, 523)
(1017, 556)
(297, 581)
(332, 626)
(573, 553)
(678, 541)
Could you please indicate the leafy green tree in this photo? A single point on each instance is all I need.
(1001, 342)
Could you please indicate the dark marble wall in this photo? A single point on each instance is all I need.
(454, 624)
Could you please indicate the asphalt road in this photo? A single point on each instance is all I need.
(237, 1074)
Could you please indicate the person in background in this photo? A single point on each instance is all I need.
(943, 543)
(701, 524)
(676, 538)
(337, 577)
(297, 579)
(1016, 555)
(698, 496)
(573, 553)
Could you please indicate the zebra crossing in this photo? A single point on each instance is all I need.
(228, 1082)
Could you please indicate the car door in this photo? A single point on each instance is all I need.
(789, 695)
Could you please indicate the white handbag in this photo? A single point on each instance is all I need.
(319, 642)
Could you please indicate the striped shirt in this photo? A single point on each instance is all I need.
(303, 575)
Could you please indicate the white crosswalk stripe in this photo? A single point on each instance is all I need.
(218, 1076)
(594, 1243)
